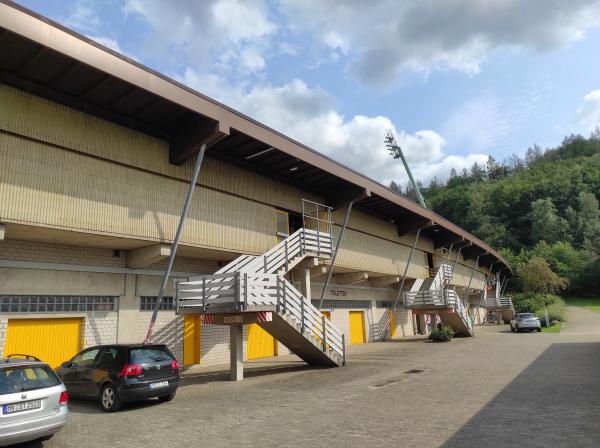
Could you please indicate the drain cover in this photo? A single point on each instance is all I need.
(414, 371)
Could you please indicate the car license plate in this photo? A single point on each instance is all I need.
(23, 406)
(159, 384)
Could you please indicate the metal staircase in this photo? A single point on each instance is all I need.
(503, 305)
(256, 284)
(435, 295)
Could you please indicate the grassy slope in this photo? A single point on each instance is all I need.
(552, 329)
(591, 303)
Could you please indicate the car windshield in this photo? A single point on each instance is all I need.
(526, 316)
(145, 355)
(24, 378)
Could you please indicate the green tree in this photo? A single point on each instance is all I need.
(536, 277)
(546, 225)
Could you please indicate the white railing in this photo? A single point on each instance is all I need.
(440, 298)
(243, 290)
(498, 302)
(442, 277)
(283, 254)
(464, 314)
(424, 299)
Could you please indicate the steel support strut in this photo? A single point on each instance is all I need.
(410, 255)
(186, 207)
(337, 246)
(475, 266)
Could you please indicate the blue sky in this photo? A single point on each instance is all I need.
(457, 80)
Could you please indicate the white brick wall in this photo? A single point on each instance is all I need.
(3, 327)
(215, 345)
(100, 327)
(168, 330)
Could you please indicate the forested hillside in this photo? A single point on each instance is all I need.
(544, 205)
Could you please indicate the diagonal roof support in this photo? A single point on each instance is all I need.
(190, 133)
(337, 199)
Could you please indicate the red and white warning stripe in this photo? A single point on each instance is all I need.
(209, 319)
(264, 316)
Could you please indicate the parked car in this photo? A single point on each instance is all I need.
(33, 400)
(525, 321)
(114, 374)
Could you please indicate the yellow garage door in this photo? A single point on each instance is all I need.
(192, 337)
(392, 324)
(54, 341)
(357, 327)
(260, 343)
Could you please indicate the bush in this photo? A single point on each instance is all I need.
(557, 312)
(531, 302)
(534, 303)
(445, 334)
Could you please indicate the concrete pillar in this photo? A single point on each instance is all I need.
(422, 323)
(236, 363)
(305, 283)
(128, 313)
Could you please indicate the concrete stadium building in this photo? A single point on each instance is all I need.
(96, 153)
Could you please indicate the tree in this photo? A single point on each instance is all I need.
(546, 225)
(587, 223)
(537, 277)
(533, 154)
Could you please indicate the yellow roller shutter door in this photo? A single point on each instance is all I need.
(54, 341)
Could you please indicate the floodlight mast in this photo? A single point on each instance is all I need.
(396, 152)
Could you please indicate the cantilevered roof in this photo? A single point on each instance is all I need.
(46, 59)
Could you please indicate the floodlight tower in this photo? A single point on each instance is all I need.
(394, 148)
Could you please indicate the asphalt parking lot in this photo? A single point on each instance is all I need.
(497, 389)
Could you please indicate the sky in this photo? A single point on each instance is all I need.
(455, 80)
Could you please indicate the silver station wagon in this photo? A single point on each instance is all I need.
(33, 400)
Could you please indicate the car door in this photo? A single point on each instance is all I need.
(74, 372)
(104, 366)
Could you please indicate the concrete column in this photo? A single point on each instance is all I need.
(305, 283)
(128, 313)
(422, 323)
(236, 363)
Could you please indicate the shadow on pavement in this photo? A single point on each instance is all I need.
(80, 406)
(553, 402)
(249, 372)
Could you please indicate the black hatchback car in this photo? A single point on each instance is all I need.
(114, 374)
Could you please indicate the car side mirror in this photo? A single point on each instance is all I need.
(67, 365)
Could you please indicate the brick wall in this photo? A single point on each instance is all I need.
(19, 250)
(100, 328)
(168, 330)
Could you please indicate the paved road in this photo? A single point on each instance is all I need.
(495, 390)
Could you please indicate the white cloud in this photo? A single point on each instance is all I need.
(230, 35)
(83, 16)
(383, 37)
(589, 111)
(309, 115)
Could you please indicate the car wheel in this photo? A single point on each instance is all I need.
(165, 398)
(539, 330)
(108, 399)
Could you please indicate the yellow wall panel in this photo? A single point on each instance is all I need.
(260, 344)
(192, 334)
